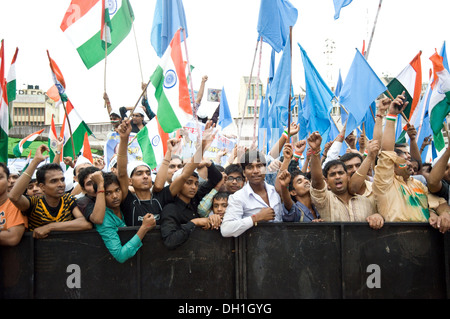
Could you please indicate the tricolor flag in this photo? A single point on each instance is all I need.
(52, 140)
(25, 143)
(79, 129)
(410, 81)
(169, 87)
(58, 78)
(86, 149)
(27, 163)
(153, 142)
(81, 24)
(4, 115)
(106, 24)
(11, 79)
(439, 105)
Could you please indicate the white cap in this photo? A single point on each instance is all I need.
(132, 166)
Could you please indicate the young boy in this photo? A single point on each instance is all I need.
(110, 195)
(220, 203)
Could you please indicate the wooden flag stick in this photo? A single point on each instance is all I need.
(290, 91)
(70, 128)
(403, 114)
(246, 95)
(256, 95)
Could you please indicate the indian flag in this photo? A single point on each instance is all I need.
(83, 25)
(153, 142)
(11, 79)
(25, 143)
(75, 124)
(169, 87)
(439, 105)
(52, 140)
(410, 81)
(4, 115)
(86, 149)
(58, 78)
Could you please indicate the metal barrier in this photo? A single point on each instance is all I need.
(284, 260)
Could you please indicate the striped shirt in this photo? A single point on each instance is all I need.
(40, 213)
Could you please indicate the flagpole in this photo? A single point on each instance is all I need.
(246, 95)
(104, 73)
(373, 31)
(290, 91)
(194, 108)
(70, 128)
(403, 114)
(137, 102)
(257, 94)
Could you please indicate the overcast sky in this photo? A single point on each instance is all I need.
(221, 44)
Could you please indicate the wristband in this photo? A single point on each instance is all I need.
(380, 115)
(25, 173)
(297, 156)
(285, 134)
(366, 153)
(391, 117)
(101, 191)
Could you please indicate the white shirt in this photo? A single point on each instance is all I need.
(243, 204)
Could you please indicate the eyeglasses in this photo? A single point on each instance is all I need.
(237, 179)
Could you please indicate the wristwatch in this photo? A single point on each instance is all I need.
(58, 152)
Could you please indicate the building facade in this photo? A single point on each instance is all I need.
(32, 107)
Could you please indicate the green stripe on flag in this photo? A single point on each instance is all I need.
(93, 50)
(166, 116)
(396, 88)
(148, 155)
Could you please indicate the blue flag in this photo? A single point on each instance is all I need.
(338, 88)
(280, 89)
(361, 87)
(168, 18)
(369, 120)
(275, 18)
(264, 133)
(338, 5)
(225, 118)
(317, 103)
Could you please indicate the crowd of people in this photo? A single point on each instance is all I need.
(377, 183)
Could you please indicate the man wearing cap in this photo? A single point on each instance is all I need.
(138, 174)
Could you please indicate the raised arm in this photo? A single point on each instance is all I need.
(16, 194)
(275, 151)
(413, 147)
(98, 213)
(395, 108)
(434, 179)
(161, 176)
(124, 131)
(284, 178)
(314, 142)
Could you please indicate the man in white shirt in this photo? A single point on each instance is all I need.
(256, 202)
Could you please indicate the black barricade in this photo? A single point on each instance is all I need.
(284, 260)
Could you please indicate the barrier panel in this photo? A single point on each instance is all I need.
(270, 261)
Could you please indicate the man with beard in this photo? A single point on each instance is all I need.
(399, 196)
(330, 195)
(55, 210)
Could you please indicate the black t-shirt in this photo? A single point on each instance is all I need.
(86, 205)
(444, 191)
(134, 209)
